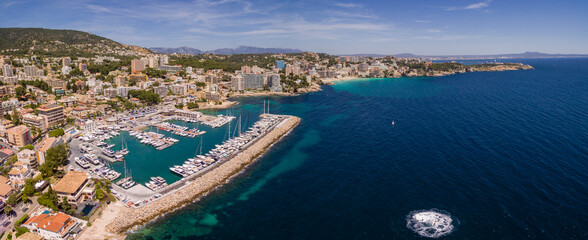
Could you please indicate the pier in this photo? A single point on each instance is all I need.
(188, 189)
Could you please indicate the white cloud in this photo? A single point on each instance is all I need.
(474, 6)
(348, 5)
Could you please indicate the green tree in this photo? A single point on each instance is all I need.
(180, 106)
(28, 146)
(12, 199)
(29, 188)
(70, 121)
(54, 158)
(49, 199)
(20, 91)
(7, 210)
(99, 194)
(56, 133)
(20, 231)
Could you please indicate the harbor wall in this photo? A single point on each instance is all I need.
(198, 187)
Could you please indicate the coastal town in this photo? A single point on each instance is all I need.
(58, 114)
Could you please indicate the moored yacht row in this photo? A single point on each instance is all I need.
(227, 148)
(219, 121)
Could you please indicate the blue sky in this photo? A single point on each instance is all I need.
(429, 27)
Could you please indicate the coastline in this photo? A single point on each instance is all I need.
(128, 218)
(495, 68)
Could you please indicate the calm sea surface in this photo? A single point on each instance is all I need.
(504, 153)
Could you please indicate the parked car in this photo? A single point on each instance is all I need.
(6, 223)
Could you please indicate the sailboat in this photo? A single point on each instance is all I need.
(124, 149)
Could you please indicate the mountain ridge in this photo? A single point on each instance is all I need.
(225, 51)
(62, 42)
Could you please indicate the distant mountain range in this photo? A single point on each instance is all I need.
(225, 51)
(497, 56)
(58, 43)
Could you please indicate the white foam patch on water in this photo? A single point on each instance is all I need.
(431, 223)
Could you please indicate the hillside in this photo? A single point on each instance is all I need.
(225, 51)
(57, 43)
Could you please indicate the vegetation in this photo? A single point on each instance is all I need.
(36, 83)
(28, 146)
(12, 199)
(54, 158)
(180, 106)
(58, 43)
(7, 210)
(149, 97)
(29, 188)
(108, 66)
(20, 231)
(21, 220)
(192, 105)
(228, 63)
(154, 73)
(49, 199)
(56, 133)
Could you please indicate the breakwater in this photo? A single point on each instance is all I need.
(128, 218)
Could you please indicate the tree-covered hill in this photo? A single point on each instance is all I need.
(50, 42)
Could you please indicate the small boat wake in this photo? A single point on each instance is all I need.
(431, 223)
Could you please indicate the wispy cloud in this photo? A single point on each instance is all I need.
(474, 6)
(8, 4)
(99, 9)
(422, 21)
(348, 5)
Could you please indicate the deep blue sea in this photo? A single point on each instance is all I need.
(504, 153)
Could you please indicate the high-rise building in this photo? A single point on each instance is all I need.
(363, 67)
(53, 114)
(153, 62)
(253, 81)
(137, 66)
(211, 79)
(179, 89)
(163, 60)
(30, 70)
(35, 121)
(66, 61)
(7, 70)
(19, 135)
(245, 69)
(256, 70)
(120, 81)
(82, 67)
(237, 83)
(274, 83)
(280, 64)
(161, 90)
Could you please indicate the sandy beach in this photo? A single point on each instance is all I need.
(332, 80)
(259, 94)
(128, 218)
(225, 104)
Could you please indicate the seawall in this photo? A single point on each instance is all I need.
(131, 217)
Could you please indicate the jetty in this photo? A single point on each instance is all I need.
(190, 189)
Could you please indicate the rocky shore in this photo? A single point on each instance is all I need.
(491, 67)
(130, 217)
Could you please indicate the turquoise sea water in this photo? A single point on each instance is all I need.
(504, 153)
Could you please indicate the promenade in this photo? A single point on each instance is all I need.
(192, 190)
